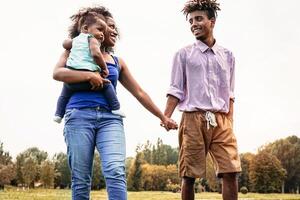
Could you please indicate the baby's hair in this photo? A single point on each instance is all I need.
(210, 6)
(83, 17)
(103, 11)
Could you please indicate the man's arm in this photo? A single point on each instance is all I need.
(232, 84)
(172, 102)
(230, 112)
(97, 56)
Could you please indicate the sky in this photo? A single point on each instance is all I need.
(263, 35)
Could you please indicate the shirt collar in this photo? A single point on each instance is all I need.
(203, 47)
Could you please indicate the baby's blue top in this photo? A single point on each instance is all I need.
(80, 56)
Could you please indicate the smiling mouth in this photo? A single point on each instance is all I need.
(113, 37)
(197, 30)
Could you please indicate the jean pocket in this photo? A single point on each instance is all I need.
(69, 114)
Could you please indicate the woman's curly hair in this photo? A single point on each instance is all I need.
(210, 6)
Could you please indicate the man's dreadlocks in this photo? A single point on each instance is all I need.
(210, 6)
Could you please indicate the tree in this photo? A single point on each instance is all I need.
(7, 169)
(288, 152)
(19, 172)
(158, 177)
(172, 174)
(160, 154)
(128, 163)
(172, 155)
(135, 172)
(7, 174)
(38, 155)
(32, 154)
(244, 179)
(47, 173)
(266, 173)
(62, 172)
(148, 154)
(5, 158)
(154, 177)
(29, 171)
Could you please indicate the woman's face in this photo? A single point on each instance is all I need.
(111, 33)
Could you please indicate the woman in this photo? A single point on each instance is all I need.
(89, 124)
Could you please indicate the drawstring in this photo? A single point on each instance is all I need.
(210, 119)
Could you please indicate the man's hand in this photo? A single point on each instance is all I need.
(97, 81)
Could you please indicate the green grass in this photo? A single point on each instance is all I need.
(51, 194)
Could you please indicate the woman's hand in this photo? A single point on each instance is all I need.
(104, 73)
(97, 81)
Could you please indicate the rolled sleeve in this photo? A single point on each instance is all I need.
(173, 91)
(232, 77)
(176, 88)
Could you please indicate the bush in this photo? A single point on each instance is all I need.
(173, 187)
(244, 190)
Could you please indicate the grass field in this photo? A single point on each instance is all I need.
(43, 194)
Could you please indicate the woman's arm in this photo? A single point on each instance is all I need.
(61, 73)
(134, 88)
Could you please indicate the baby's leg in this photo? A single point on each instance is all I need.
(112, 99)
(62, 102)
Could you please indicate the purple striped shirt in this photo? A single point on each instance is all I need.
(203, 78)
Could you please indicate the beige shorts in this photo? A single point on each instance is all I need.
(196, 140)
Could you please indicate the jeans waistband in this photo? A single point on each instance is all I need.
(97, 108)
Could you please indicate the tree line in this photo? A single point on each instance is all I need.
(274, 168)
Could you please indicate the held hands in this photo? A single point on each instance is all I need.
(168, 124)
(97, 81)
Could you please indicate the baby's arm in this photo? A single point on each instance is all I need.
(67, 44)
(97, 56)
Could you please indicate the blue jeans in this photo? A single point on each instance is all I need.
(84, 130)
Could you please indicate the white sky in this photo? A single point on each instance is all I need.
(264, 36)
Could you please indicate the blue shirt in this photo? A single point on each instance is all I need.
(91, 99)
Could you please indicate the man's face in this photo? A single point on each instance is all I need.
(201, 26)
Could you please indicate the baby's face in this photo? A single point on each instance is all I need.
(98, 30)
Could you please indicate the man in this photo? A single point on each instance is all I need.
(202, 86)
